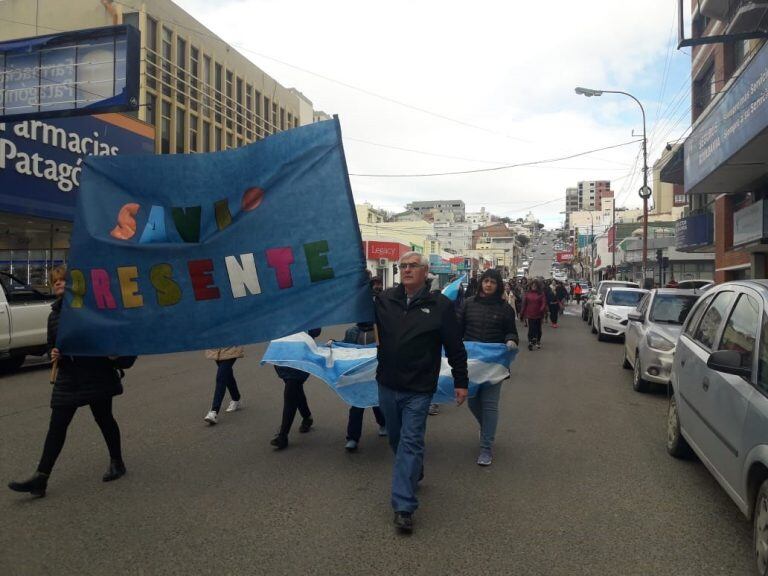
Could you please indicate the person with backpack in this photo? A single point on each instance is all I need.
(488, 317)
(77, 381)
(225, 380)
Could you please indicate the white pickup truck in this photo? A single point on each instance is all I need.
(23, 322)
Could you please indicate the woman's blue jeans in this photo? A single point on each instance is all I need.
(485, 407)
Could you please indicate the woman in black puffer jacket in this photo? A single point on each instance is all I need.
(487, 317)
(80, 381)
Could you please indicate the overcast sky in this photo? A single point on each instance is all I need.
(497, 78)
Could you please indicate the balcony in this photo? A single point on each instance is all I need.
(696, 233)
(746, 16)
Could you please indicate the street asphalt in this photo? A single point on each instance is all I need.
(581, 482)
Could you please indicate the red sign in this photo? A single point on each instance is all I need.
(564, 256)
(385, 250)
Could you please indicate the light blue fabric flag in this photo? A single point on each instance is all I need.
(185, 252)
(451, 291)
(350, 370)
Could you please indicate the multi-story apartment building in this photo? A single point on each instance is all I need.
(454, 237)
(590, 193)
(440, 210)
(722, 164)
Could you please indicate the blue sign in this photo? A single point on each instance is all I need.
(738, 117)
(695, 231)
(68, 74)
(440, 268)
(41, 161)
(193, 251)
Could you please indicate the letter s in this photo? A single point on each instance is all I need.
(126, 222)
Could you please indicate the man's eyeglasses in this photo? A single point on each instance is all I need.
(412, 265)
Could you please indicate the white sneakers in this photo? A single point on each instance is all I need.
(211, 417)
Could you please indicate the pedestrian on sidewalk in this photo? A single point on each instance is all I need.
(294, 400)
(488, 317)
(225, 380)
(414, 326)
(562, 295)
(79, 381)
(553, 303)
(534, 309)
(577, 292)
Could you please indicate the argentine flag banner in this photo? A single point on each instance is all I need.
(192, 251)
(350, 370)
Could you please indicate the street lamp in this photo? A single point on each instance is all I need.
(645, 191)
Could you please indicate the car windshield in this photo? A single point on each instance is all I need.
(624, 298)
(672, 308)
(605, 287)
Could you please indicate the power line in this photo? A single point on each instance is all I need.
(531, 163)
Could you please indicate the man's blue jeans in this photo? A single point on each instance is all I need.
(406, 416)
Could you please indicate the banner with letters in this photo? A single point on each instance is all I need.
(185, 252)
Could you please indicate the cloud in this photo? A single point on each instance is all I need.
(507, 67)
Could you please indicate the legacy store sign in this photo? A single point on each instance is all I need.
(41, 161)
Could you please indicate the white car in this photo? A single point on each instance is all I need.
(611, 320)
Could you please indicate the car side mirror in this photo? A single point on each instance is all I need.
(635, 316)
(728, 362)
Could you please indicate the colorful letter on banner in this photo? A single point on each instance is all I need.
(228, 248)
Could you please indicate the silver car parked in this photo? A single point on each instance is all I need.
(719, 402)
(652, 332)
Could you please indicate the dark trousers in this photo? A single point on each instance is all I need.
(225, 380)
(534, 330)
(355, 424)
(293, 399)
(554, 310)
(61, 416)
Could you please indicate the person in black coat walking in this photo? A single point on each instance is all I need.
(80, 381)
(487, 317)
(294, 400)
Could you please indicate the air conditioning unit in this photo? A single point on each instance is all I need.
(716, 9)
(382, 262)
(748, 16)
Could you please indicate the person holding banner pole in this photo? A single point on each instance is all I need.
(487, 317)
(294, 400)
(78, 381)
(225, 380)
(414, 325)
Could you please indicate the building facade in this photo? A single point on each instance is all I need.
(440, 210)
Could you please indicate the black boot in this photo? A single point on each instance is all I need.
(306, 424)
(280, 442)
(36, 485)
(116, 470)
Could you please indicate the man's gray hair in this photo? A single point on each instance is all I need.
(423, 258)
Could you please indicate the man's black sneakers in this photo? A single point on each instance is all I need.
(404, 522)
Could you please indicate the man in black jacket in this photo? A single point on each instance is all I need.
(414, 325)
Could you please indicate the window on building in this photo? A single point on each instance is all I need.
(704, 89)
(167, 50)
(207, 86)
(229, 110)
(218, 96)
(181, 69)
(290, 120)
(181, 130)
(193, 127)
(151, 43)
(229, 140)
(249, 112)
(194, 75)
(207, 136)
(273, 119)
(165, 128)
(267, 123)
(257, 113)
(150, 115)
(282, 118)
(217, 138)
(239, 97)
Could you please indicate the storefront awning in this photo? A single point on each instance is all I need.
(728, 148)
(673, 172)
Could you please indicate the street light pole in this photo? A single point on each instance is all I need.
(645, 191)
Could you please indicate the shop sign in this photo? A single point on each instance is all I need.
(739, 116)
(440, 268)
(749, 224)
(564, 256)
(385, 250)
(70, 74)
(41, 160)
(695, 231)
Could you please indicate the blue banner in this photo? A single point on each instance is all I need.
(186, 252)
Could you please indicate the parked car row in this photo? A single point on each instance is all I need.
(709, 344)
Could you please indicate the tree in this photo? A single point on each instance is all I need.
(523, 240)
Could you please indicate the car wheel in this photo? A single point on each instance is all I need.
(676, 444)
(761, 529)
(638, 384)
(11, 364)
(625, 364)
(600, 335)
